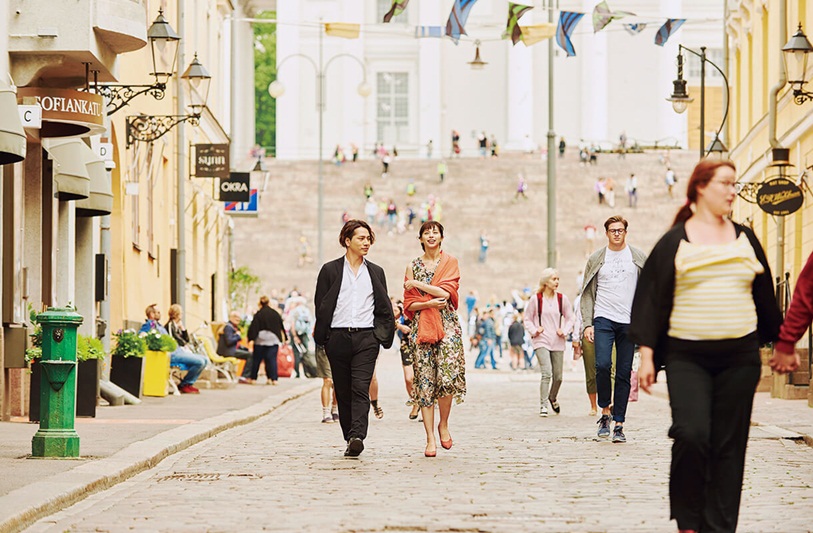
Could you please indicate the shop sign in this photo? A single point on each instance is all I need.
(212, 161)
(236, 188)
(780, 197)
(249, 208)
(66, 112)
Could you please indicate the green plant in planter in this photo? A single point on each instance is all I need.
(129, 344)
(35, 351)
(88, 347)
(159, 342)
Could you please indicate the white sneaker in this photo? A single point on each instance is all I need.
(543, 411)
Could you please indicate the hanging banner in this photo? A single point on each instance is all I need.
(212, 161)
(780, 197)
(236, 188)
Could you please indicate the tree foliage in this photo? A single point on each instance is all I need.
(241, 282)
(265, 71)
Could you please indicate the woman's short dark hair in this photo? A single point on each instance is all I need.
(426, 226)
(350, 228)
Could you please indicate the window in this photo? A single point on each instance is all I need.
(715, 55)
(392, 107)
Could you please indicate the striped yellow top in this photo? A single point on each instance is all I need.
(713, 291)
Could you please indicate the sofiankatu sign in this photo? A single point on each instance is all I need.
(780, 197)
(236, 188)
(212, 161)
(65, 112)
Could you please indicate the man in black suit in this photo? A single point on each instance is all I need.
(353, 317)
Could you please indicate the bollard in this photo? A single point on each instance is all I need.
(56, 436)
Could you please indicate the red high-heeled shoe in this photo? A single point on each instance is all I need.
(427, 453)
(447, 444)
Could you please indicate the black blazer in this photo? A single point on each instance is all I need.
(654, 295)
(328, 285)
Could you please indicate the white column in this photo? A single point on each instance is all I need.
(520, 103)
(429, 88)
(595, 87)
(241, 88)
(65, 266)
(294, 107)
(671, 123)
(84, 275)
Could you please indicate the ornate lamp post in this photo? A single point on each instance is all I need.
(795, 54)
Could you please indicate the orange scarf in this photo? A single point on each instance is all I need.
(430, 323)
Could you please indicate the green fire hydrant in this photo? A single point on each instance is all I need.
(56, 436)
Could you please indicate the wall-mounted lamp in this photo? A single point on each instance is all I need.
(477, 63)
(795, 54)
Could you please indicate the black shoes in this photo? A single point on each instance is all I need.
(354, 447)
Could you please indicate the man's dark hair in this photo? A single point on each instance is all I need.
(426, 226)
(612, 220)
(350, 228)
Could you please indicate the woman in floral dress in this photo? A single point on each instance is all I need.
(430, 300)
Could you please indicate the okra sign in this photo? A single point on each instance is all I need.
(236, 188)
(211, 160)
(780, 197)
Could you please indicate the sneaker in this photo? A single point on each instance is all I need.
(335, 416)
(247, 381)
(327, 420)
(354, 447)
(604, 426)
(618, 434)
(543, 411)
(555, 406)
(188, 389)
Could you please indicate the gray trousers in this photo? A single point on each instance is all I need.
(550, 368)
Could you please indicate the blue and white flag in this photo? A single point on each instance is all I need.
(635, 29)
(667, 30)
(455, 26)
(567, 23)
(428, 31)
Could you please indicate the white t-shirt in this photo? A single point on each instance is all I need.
(617, 279)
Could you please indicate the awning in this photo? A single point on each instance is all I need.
(12, 136)
(71, 179)
(100, 201)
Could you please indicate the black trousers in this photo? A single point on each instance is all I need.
(352, 357)
(711, 392)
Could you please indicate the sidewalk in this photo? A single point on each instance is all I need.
(123, 441)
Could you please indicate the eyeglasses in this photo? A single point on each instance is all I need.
(727, 184)
(617, 231)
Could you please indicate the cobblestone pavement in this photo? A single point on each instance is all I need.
(509, 470)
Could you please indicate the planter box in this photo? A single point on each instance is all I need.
(156, 373)
(87, 387)
(126, 373)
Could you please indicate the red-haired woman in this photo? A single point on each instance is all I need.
(431, 285)
(704, 304)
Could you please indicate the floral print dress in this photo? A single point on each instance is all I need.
(440, 369)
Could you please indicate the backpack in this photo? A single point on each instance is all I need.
(539, 306)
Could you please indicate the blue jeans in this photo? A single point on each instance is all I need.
(608, 333)
(192, 362)
(486, 350)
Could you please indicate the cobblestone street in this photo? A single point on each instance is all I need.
(509, 470)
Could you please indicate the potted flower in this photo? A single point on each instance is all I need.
(156, 362)
(128, 361)
(88, 352)
(32, 355)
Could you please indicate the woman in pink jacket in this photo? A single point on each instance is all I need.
(548, 319)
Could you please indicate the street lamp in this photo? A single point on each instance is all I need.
(795, 54)
(148, 128)
(680, 98)
(277, 89)
(477, 63)
(163, 43)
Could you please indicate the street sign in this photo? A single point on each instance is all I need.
(780, 197)
(30, 116)
(236, 188)
(212, 161)
(249, 208)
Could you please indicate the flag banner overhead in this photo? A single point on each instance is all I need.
(397, 8)
(537, 32)
(345, 30)
(512, 29)
(635, 29)
(567, 23)
(667, 30)
(456, 25)
(603, 16)
(428, 32)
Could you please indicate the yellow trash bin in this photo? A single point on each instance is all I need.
(156, 373)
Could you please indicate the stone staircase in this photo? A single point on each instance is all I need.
(477, 195)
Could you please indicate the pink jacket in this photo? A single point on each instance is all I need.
(550, 322)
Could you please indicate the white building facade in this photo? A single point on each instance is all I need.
(423, 88)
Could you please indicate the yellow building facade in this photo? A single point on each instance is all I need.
(756, 31)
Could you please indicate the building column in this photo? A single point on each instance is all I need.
(84, 280)
(242, 88)
(520, 97)
(595, 87)
(65, 254)
(429, 90)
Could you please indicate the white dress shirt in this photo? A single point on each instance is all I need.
(355, 305)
